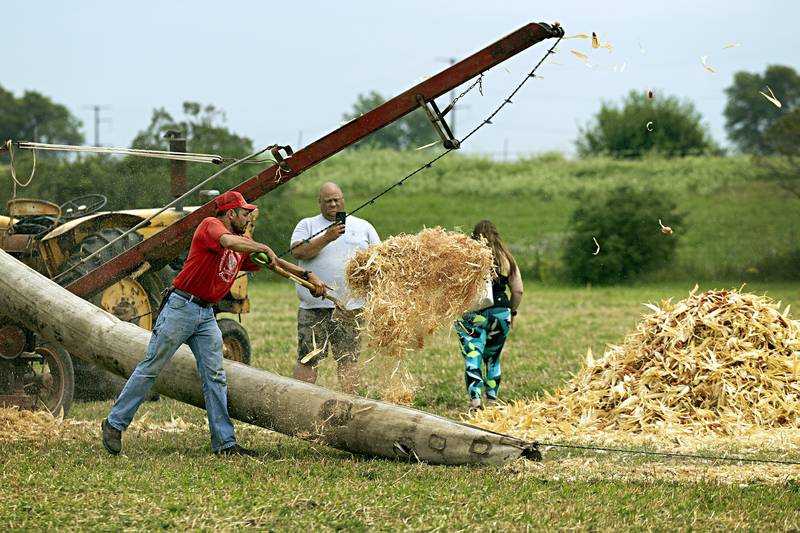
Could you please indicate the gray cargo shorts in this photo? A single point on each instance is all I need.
(317, 329)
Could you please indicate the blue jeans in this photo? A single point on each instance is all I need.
(181, 322)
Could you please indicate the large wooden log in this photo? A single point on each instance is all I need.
(351, 423)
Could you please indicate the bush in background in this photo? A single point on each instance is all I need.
(625, 224)
(642, 125)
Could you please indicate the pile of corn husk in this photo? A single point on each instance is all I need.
(415, 284)
(717, 364)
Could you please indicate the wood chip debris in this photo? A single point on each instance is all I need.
(717, 364)
(416, 284)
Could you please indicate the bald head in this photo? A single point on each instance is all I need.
(331, 200)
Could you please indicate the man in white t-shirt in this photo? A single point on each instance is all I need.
(326, 255)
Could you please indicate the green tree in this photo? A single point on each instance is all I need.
(782, 140)
(748, 115)
(35, 117)
(625, 224)
(411, 131)
(205, 132)
(203, 128)
(641, 125)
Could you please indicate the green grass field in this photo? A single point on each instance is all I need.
(167, 479)
(734, 227)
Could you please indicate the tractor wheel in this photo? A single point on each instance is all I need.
(236, 342)
(55, 377)
(132, 300)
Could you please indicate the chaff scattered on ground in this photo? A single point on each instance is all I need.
(41, 426)
(19, 424)
(719, 368)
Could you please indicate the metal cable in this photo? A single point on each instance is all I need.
(158, 154)
(151, 217)
(430, 163)
(666, 454)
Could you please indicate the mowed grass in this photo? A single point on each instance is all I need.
(168, 480)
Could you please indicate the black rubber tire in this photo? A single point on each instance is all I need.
(236, 340)
(59, 363)
(93, 383)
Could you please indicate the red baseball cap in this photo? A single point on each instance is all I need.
(232, 200)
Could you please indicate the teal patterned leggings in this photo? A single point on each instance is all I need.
(482, 335)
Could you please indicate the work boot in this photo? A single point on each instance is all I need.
(490, 404)
(112, 438)
(236, 450)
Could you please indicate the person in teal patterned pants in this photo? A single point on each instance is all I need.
(483, 332)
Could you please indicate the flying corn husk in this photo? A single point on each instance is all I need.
(733, 45)
(717, 363)
(579, 55)
(416, 284)
(705, 66)
(771, 98)
(579, 36)
(427, 145)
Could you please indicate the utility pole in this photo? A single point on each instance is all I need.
(98, 120)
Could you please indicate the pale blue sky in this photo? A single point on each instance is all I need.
(281, 68)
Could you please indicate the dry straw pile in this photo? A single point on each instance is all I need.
(717, 363)
(415, 284)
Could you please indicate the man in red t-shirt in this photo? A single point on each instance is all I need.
(219, 250)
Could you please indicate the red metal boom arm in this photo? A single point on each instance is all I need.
(172, 241)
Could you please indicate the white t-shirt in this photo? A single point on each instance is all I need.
(329, 263)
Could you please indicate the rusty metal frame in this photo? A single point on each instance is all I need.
(172, 241)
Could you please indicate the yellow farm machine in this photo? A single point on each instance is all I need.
(56, 240)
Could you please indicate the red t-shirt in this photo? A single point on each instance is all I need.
(211, 269)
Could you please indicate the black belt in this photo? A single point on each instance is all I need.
(192, 298)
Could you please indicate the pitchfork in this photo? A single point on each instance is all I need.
(263, 260)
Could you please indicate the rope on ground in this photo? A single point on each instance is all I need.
(678, 455)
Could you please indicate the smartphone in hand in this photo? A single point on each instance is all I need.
(340, 216)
